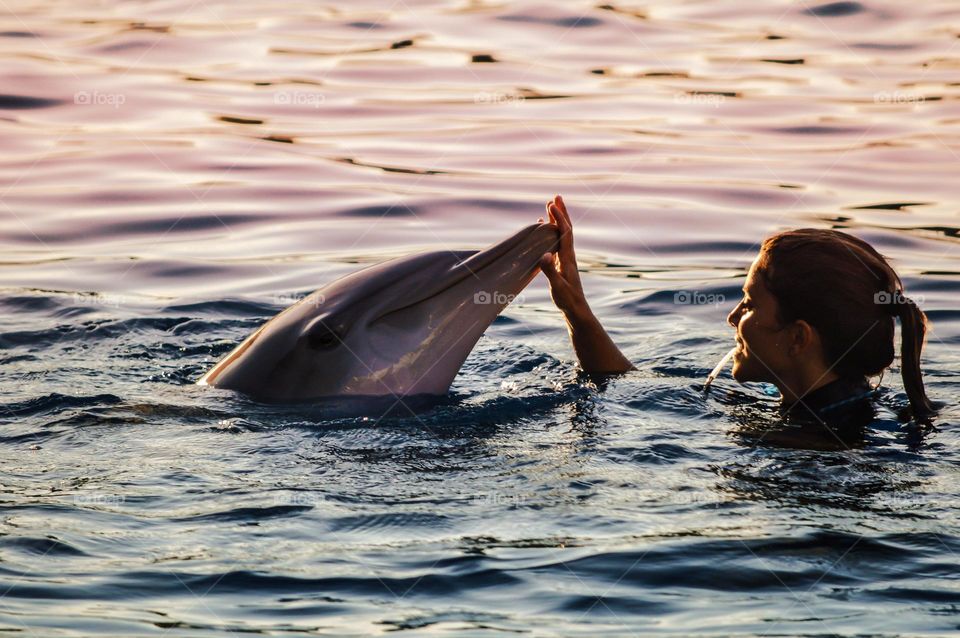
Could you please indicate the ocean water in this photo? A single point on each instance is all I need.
(174, 172)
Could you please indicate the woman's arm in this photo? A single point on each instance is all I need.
(594, 348)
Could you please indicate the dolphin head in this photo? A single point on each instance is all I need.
(400, 328)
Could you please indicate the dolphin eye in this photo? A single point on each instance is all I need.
(321, 336)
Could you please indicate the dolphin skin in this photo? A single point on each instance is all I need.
(401, 328)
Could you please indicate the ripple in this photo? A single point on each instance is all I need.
(835, 9)
(383, 210)
(17, 102)
(889, 206)
(222, 308)
(233, 119)
(55, 402)
(247, 515)
(567, 22)
(42, 547)
(387, 522)
(784, 60)
(819, 130)
(281, 145)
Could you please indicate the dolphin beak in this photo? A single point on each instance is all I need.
(504, 268)
(528, 245)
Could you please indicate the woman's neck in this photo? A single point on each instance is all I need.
(804, 382)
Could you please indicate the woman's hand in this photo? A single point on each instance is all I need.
(595, 350)
(561, 267)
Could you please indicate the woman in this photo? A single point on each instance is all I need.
(816, 319)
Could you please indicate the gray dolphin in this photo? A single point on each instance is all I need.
(400, 328)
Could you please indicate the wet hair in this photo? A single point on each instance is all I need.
(850, 294)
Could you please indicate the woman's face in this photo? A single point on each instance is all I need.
(762, 349)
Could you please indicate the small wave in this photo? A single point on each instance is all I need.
(396, 521)
(29, 303)
(46, 546)
(100, 329)
(664, 454)
(11, 102)
(564, 21)
(835, 9)
(382, 210)
(54, 403)
(818, 559)
(224, 308)
(819, 130)
(247, 514)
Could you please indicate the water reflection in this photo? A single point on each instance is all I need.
(174, 174)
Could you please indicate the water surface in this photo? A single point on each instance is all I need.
(175, 172)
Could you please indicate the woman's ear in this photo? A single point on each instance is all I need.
(801, 336)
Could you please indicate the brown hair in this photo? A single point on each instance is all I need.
(850, 294)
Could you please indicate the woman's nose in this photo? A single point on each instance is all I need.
(734, 317)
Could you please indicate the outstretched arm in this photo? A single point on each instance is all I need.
(595, 349)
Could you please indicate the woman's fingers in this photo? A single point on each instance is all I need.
(568, 257)
(563, 209)
(546, 264)
(565, 263)
(556, 217)
(559, 201)
(550, 217)
(559, 286)
(566, 234)
(565, 225)
(549, 267)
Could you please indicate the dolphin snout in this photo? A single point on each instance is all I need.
(526, 245)
(544, 238)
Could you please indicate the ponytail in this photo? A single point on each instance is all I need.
(913, 327)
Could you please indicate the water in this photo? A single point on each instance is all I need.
(175, 172)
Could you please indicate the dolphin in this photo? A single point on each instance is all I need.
(401, 328)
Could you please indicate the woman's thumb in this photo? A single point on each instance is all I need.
(547, 266)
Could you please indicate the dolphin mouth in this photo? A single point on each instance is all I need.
(484, 258)
(528, 245)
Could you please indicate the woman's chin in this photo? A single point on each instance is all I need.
(741, 372)
(737, 371)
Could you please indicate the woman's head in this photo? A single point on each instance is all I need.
(820, 304)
